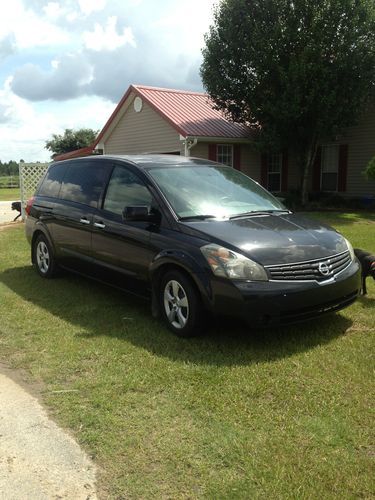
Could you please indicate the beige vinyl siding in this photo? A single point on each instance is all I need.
(144, 132)
(250, 162)
(200, 150)
(361, 148)
(293, 172)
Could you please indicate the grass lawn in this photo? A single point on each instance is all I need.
(284, 413)
(9, 194)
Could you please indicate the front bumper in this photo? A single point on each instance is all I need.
(276, 302)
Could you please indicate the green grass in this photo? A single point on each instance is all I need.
(9, 194)
(279, 414)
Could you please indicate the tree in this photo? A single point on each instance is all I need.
(370, 169)
(71, 140)
(298, 71)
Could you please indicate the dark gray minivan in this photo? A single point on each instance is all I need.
(196, 236)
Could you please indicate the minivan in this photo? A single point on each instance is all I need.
(197, 237)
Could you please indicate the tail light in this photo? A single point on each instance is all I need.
(29, 204)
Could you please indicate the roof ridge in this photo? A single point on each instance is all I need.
(174, 91)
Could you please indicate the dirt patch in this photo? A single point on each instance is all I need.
(23, 379)
(37, 458)
(8, 225)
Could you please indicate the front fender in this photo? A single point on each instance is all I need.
(189, 264)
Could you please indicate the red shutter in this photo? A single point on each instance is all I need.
(264, 170)
(237, 156)
(212, 152)
(343, 167)
(317, 167)
(284, 171)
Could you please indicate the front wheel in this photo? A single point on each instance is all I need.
(43, 258)
(180, 306)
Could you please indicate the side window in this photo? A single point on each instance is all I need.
(51, 184)
(83, 183)
(125, 189)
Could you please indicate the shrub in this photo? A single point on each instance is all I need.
(370, 169)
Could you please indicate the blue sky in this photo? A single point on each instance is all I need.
(66, 64)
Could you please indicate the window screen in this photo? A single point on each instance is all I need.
(83, 183)
(125, 189)
(52, 181)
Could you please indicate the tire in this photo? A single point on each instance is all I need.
(180, 304)
(43, 258)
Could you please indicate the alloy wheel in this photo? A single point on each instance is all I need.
(176, 304)
(42, 257)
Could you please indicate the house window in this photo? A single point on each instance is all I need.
(224, 154)
(274, 172)
(330, 168)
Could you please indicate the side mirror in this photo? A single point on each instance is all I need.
(140, 213)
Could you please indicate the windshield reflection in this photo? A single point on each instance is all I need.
(212, 192)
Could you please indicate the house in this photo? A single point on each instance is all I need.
(157, 120)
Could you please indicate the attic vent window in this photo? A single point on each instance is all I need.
(138, 104)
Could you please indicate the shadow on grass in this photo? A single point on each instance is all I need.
(345, 217)
(99, 310)
(367, 302)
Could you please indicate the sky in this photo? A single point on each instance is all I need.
(66, 64)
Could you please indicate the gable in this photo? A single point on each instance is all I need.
(140, 132)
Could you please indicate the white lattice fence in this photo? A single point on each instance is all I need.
(30, 175)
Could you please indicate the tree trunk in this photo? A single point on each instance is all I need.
(307, 160)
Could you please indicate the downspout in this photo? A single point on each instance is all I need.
(189, 143)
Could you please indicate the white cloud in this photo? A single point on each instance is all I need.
(107, 38)
(29, 29)
(53, 10)
(24, 135)
(89, 6)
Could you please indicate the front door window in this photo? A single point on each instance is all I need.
(125, 189)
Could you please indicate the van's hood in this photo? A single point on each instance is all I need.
(273, 239)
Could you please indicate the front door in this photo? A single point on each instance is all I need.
(121, 250)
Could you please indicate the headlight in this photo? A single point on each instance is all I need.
(350, 248)
(232, 265)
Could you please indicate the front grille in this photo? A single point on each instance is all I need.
(318, 269)
(294, 316)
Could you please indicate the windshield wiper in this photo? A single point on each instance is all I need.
(258, 212)
(197, 217)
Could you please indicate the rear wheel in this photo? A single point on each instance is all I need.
(180, 304)
(43, 258)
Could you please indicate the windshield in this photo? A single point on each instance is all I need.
(205, 191)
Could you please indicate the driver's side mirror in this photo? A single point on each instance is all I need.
(140, 213)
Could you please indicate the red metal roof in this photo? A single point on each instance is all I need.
(191, 113)
(75, 154)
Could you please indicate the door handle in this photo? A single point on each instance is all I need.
(99, 224)
(84, 220)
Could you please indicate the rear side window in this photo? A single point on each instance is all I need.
(83, 183)
(51, 184)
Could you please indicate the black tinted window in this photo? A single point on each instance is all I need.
(52, 181)
(125, 189)
(83, 183)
